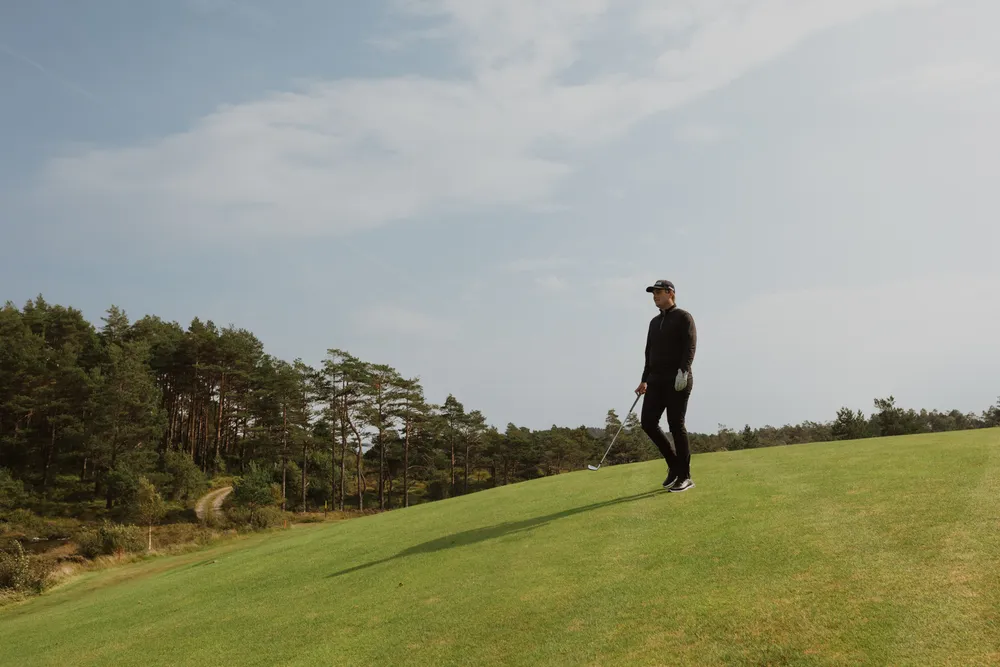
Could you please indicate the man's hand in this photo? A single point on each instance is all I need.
(641, 389)
(681, 380)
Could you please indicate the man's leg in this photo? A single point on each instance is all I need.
(653, 405)
(676, 404)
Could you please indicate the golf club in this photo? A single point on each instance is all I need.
(598, 466)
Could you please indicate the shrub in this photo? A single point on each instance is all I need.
(20, 572)
(267, 517)
(15, 569)
(255, 492)
(123, 484)
(438, 490)
(111, 539)
(11, 490)
(259, 518)
(186, 478)
(88, 543)
(254, 488)
(25, 521)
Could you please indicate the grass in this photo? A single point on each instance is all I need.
(878, 552)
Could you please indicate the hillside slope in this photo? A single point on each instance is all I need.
(855, 553)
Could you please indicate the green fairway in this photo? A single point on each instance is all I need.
(876, 552)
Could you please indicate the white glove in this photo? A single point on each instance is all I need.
(681, 381)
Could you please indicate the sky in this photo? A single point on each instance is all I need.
(478, 191)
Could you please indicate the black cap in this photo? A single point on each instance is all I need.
(661, 284)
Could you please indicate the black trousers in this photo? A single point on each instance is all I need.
(661, 396)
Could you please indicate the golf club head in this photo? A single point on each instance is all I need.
(598, 466)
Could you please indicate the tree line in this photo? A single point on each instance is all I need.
(113, 406)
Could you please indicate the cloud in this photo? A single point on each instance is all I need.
(544, 270)
(903, 337)
(698, 133)
(551, 283)
(969, 75)
(624, 291)
(535, 264)
(335, 157)
(405, 40)
(940, 79)
(385, 320)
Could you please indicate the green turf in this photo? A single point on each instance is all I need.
(879, 552)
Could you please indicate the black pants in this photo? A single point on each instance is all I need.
(660, 396)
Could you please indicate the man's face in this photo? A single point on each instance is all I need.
(662, 298)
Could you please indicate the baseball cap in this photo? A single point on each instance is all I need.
(661, 284)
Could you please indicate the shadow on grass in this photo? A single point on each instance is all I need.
(491, 532)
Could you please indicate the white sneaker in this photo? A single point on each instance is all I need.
(682, 485)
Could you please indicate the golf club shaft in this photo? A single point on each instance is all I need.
(619, 430)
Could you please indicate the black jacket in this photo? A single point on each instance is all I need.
(670, 345)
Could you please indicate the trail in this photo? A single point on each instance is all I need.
(212, 499)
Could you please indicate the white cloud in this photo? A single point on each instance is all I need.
(544, 270)
(976, 77)
(698, 133)
(534, 264)
(969, 75)
(340, 156)
(386, 320)
(404, 40)
(729, 37)
(904, 337)
(624, 291)
(668, 18)
(551, 283)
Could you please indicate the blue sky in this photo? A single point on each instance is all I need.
(478, 191)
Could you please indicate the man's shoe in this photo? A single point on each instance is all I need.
(672, 478)
(682, 485)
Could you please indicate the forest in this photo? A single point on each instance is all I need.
(110, 434)
(113, 404)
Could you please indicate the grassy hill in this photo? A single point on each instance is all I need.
(877, 552)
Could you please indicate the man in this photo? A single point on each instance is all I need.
(667, 382)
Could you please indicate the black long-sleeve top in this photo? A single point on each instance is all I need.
(670, 345)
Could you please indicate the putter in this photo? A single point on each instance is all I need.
(598, 466)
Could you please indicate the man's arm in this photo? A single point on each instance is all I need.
(645, 368)
(688, 342)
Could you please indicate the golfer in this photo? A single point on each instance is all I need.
(667, 382)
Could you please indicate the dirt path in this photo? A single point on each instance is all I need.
(211, 501)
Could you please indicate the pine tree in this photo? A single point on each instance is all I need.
(127, 415)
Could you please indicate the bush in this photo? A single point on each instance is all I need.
(187, 480)
(254, 488)
(179, 534)
(111, 539)
(438, 489)
(20, 572)
(14, 569)
(259, 518)
(222, 480)
(11, 490)
(123, 484)
(255, 493)
(25, 521)
(88, 543)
